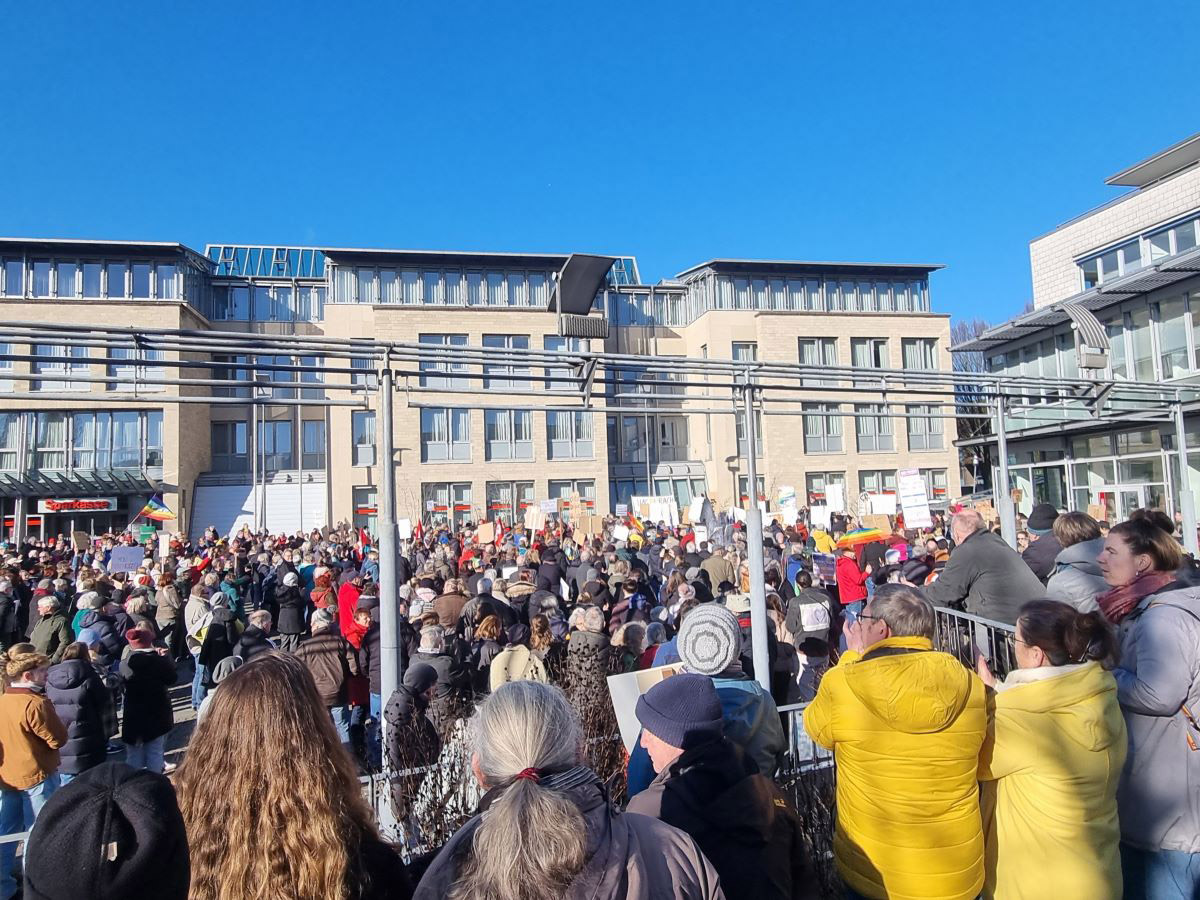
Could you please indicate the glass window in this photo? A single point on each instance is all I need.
(452, 285)
(818, 352)
(1144, 440)
(66, 279)
(41, 278)
(312, 437)
(475, 289)
(140, 280)
(313, 372)
(281, 304)
(874, 428)
(1171, 316)
(362, 434)
(505, 342)
(495, 289)
(822, 428)
(1090, 270)
(869, 353)
(441, 381)
(50, 441)
(165, 277)
(925, 427)
(1117, 359)
(445, 435)
(569, 435)
(1068, 355)
(745, 351)
(919, 353)
(239, 303)
(262, 303)
(1110, 266)
(14, 278)
(1159, 245)
(516, 289)
(1143, 349)
(367, 376)
(508, 434)
(366, 511)
(431, 287)
(10, 436)
(154, 438)
(275, 445)
(367, 290)
(389, 286)
(1185, 237)
(1131, 257)
(1092, 445)
(59, 359)
(410, 286)
(739, 423)
(115, 272)
(229, 453)
(126, 443)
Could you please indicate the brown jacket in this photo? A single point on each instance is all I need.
(719, 569)
(30, 735)
(448, 608)
(331, 661)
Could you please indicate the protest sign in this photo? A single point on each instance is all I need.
(1096, 511)
(622, 509)
(549, 507)
(164, 545)
(404, 529)
(696, 508)
(835, 497)
(825, 565)
(818, 517)
(913, 499)
(80, 540)
(882, 504)
(701, 534)
(787, 496)
(485, 533)
(126, 559)
(620, 532)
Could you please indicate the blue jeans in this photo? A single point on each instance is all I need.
(18, 810)
(198, 689)
(342, 717)
(851, 611)
(374, 747)
(146, 755)
(1160, 874)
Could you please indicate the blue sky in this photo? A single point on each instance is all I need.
(929, 132)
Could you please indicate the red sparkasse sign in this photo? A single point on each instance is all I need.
(82, 504)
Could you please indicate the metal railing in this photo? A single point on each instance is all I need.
(966, 637)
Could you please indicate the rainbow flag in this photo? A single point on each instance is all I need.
(157, 510)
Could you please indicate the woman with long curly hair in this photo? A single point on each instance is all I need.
(271, 799)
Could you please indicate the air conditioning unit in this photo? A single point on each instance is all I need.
(583, 326)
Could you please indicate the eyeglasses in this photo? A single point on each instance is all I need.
(872, 618)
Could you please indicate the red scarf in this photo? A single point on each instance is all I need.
(1120, 601)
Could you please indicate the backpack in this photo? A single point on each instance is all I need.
(515, 664)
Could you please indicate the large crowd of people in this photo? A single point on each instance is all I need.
(1074, 772)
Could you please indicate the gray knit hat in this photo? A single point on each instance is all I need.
(709, 639)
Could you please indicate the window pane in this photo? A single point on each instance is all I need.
(66, 279)
(1185, 237)
(116, 279)
(165, 275)
(41, 278)
(14, 284)
(1172, 337)
(91, 279)
(141, 280)
(366, 286)
(262, 303)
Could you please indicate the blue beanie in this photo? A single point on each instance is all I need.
(682, 710)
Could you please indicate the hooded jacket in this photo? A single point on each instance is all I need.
(1040, 556)
(110, 640)
(80, 700)
(52, 635)
(1076, 578)
(629, 857)
(1052, 761)
(740, 819)
(1159, 797)
(906, 724)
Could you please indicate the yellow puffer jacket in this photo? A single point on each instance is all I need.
(906, 724)
(824, 543)
(1052, 760)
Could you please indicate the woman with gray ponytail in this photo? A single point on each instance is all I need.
(546, 829)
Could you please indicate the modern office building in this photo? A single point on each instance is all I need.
(66, 459)
(1115, 294)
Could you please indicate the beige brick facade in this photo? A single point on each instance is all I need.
(1053, 257)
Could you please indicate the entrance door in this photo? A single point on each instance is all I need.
(1129, 498)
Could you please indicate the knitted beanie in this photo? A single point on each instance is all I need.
(113, 832)
(709, 639)
(682, 710)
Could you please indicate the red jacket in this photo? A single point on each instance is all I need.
(852, 583)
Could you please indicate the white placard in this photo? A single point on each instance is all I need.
(882, 504)
(701, 533)
(429, 505)
(126, 559)
(787, 496)
(696, 509)
(818, 517)
(739, 514)
(164, 545)
(835, 497)
(549, 507)
(404, 529)
(658, 509)
(789, 514)
(913, 499)
(622, 509)
(620, 532)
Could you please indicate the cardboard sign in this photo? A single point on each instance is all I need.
(625, 689)
(986, 510)
(404, 529)
(883, 523)
(126, 559)
(485, 533)
(80, 540)
(1097, 511)
(535, 519)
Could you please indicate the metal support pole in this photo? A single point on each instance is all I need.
(389, 619)
(1187, 506)
(254, 461)
(754, 547)
(1001, 492)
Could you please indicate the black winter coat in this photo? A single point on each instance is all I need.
(148, 677)
(80, 699)
(741, 820)
(252, 643)
(291, 610)
(219, 639)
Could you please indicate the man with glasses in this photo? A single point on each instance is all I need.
(906, 724)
